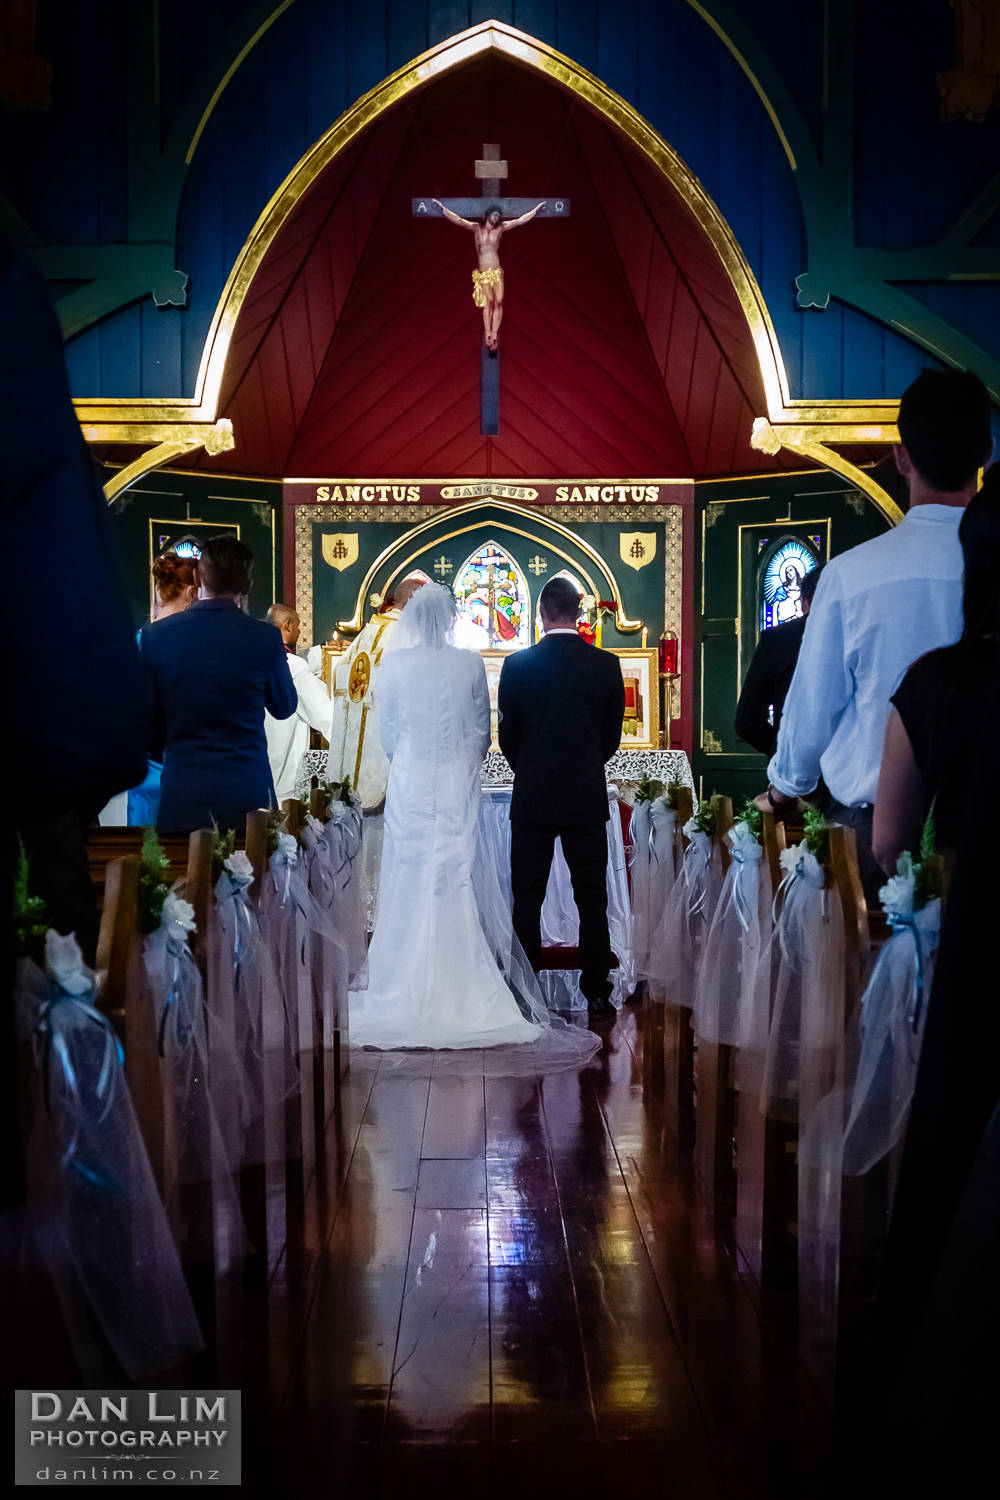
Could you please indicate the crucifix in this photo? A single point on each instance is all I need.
(489, 217)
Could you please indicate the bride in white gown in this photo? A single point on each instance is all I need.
(443, 950)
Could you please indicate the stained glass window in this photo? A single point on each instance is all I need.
(184, 546)
(780, 582)
(493, 600)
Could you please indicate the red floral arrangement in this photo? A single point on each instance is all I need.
(587, 631)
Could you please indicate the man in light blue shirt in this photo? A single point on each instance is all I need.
(880, 606)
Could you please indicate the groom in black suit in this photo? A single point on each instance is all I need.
(561, 708)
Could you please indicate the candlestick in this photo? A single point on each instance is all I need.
(645, 636)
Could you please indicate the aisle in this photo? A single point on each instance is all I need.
(517, 1282)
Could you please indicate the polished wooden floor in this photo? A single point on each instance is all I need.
(513, 1285)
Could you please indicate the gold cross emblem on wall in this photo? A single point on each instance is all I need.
(442, 567)
(538, 565)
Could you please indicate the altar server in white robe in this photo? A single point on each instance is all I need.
(288, 739)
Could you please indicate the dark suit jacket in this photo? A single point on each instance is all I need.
(212, 672)
(74, 747)
(561, 708)
(769, 676)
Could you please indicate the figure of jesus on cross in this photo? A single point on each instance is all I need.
(487, 282)
(489, 217)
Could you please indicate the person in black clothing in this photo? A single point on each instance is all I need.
(72, 727)
(937, 708)
(561, 706)
(769, 675)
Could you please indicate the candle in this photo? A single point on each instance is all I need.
(645, 636)
(668, 654)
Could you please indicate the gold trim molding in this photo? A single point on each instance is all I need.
(109, 419)
(812, 441)
(216, 437)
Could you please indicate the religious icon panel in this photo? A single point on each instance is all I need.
(641, 724)
(780, 593)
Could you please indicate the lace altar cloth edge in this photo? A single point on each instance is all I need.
(624, 769)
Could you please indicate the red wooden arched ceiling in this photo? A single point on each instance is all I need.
(624, 351)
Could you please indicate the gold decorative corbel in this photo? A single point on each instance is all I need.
(216, 437)
(811, 440)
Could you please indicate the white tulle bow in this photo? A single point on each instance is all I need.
(746, 859)
(695, 867)
(743, 842)
(794, 901)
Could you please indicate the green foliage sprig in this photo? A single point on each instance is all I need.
(928, 867)
(275, 825)
(648, 789)
(153, 886)
(706, 816)
(339, 791)
(751, 815)
(31, 921)
(674, 787)
(816, 838)
(223, 845)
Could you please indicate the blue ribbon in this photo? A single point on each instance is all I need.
(901, 924)
(239, 910)
(182, 1032)
(51, 1025)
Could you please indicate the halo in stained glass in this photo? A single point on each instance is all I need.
(493, 600)
(188, 548)
(780, 583)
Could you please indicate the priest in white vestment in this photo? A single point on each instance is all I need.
(356, 753)
(288, 739)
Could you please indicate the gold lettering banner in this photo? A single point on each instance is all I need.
(403, 493)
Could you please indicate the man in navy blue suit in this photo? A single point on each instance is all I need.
(213, 671)
(561, 708)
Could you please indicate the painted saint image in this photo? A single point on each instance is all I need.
(788, 595)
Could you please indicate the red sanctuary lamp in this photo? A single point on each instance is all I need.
(668, 651)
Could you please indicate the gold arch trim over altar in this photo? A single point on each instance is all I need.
(127, 420)
(535, 517)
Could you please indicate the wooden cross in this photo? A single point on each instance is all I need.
(491, 171)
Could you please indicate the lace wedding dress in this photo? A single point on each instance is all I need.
(444, 969)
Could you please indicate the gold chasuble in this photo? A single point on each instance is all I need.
(355, 752)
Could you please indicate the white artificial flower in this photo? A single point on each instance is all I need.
(64, 963)
(743, 842)
(690, 828)
(239, 866)
(288, 848)
(896, 895)
(178, 913)
(313, 824)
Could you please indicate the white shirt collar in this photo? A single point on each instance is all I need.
(952, 514)
(562, 630)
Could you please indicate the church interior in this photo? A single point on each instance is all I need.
(757, 223)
